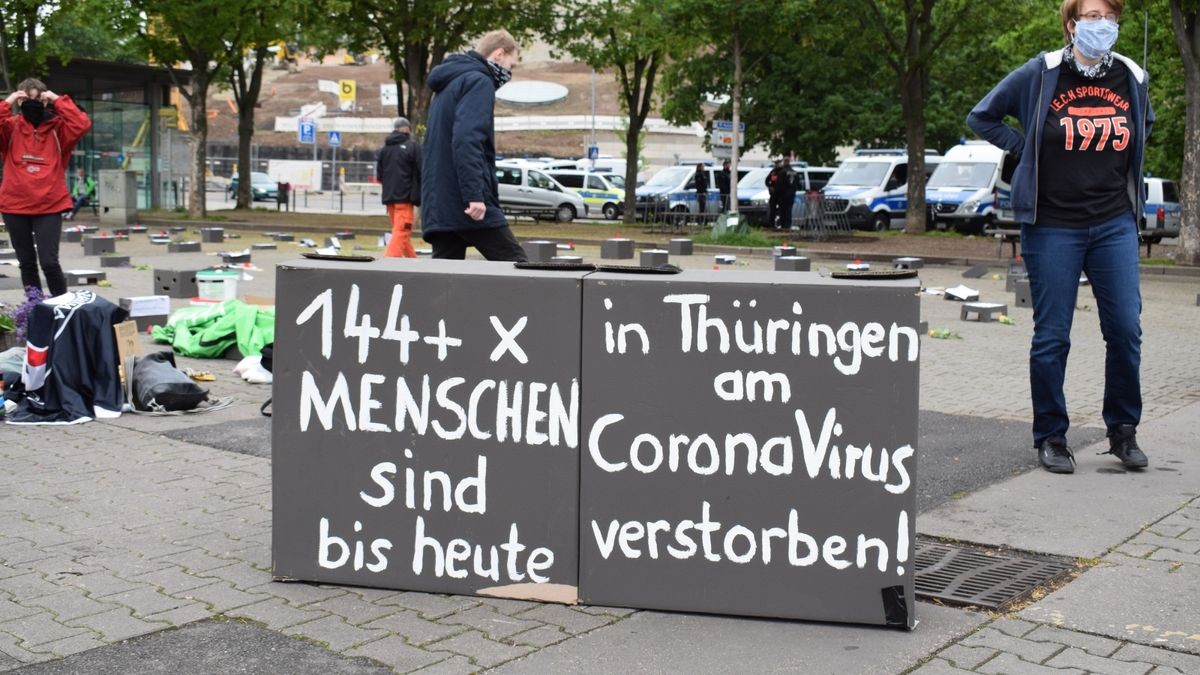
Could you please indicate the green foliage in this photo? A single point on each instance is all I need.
(739, 237)
(89, 29)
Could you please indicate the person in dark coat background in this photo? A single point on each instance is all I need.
(701, 189)
(723, 185)
(782, 190)
(398, 166)
(460, 196)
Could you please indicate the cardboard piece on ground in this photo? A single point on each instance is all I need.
(260, 300)
(128, 343)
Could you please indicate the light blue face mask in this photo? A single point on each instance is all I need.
(1095, 39)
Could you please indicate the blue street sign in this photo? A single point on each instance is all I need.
(726, 125)
(335, 138)
(307, 132)
(593, 152)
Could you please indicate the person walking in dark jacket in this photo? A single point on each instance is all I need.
(701, 189)
(723, 185)
(398, 166)
(460, 195)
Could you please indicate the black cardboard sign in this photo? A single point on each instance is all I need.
(749, 445)
(425, 427)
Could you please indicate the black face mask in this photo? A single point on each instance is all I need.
(34, 112)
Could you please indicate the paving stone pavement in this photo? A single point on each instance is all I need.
(110, 531)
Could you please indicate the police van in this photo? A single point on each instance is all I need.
(602, 192)
(1162, 210)
(870, 189)
(674, 189)
(753, 197)
(965, 191)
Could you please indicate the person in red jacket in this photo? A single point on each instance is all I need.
(38, 131)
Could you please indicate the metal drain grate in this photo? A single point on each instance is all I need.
(965, 575)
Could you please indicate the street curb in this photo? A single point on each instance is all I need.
(748, 251)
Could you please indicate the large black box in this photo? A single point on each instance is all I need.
(748, 445)
(426, 427)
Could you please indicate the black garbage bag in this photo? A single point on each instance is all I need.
(159, 386)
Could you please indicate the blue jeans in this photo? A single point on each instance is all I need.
(1054, 256)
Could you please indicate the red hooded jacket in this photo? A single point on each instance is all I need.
(36, 159)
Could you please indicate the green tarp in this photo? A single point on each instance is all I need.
(206, 332)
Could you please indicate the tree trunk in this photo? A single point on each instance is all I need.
(247, 94)
(912, 104)
(1187, 38)
(198, 102)
(4, 53)
(419, 95)
(737, 118)
(631, 168)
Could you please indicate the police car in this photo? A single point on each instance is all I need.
(602, 192)
(871, 188)
(1162, 210)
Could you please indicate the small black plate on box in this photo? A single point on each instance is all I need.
(341, 258)
(875, 274)
(556, 266)
(639, 269)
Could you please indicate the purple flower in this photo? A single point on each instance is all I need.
(33, 297)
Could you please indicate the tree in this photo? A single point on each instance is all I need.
(266, 21)
(1185, 18)
(201, 33)
(634, 38)
(416, 35)
(909, 34)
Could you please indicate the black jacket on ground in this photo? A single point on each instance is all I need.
(459, 151)
(398, 166)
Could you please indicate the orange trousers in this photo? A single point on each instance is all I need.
(400, 246)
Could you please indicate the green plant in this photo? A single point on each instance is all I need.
(7, 323)
(1166, 262)
(751, 238)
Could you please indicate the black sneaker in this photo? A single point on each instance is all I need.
(1122, 442)
(1055, 456)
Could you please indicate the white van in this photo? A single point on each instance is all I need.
(1162, 210)
(871, 188)
(523, 187)
(962, 193)
(602, 192)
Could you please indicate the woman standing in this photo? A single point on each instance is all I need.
(38, 131)
(1085, 116)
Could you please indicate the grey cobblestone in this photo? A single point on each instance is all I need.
(542, 636)
(10, 648)
(480, 650)
(1077, 658)
(491, 622)
(196, 561)
(455, 665)
(1009, 664)
(353, 609)
(71, 645)
(969, 658)
(938, 667)
(621, 612)
(298, 593)
(38, 629)
(70, 604)
(1188, 663)
(10, 610)
(185, 614)
(414, 629)
(570, 620)
(221, 596)
(337, 634)
(275, 613)
(116, 625)
(173, 580)
(431, 606)
(1013, 627)
(1091, 644)
(510, 607)
(146, 601)
(396, 654)
(1034, 652)
(26, 586)
(242, 575)
(101, 584)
